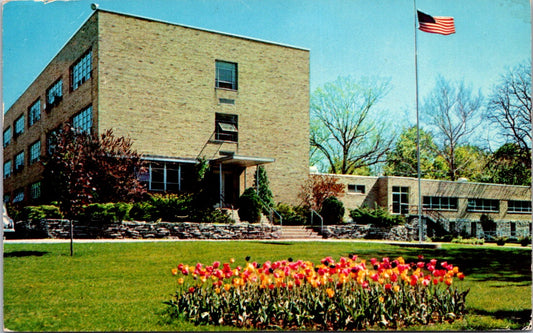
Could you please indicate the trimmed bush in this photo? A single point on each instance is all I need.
(332, 211)
(292, 215)
(105, 213)
(250, 206)
(378, 217)
(36, 213)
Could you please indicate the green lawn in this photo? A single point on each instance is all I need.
(122, 286)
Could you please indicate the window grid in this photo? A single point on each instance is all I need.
(7, 136)
(35, 152)
(34, 113)
(7, 169)
(440, 203)
(483, 205)
(18, 196)
(81, 71)
(400, 199)
(19, 161)
(35, 190)
(226, 75)
(518, 206)
(226, 127)
(353, 188)
(19, 125)
(83, 121)
(54, 93)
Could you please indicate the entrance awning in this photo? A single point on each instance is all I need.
(243, 161)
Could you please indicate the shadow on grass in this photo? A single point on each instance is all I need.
(521, 317)
(19, 254)
(277, 243)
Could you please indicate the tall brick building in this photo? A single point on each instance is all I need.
(180, 93)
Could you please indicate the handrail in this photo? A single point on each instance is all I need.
(321, 220)
(272, 210)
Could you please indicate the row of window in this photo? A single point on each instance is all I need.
(79, 73)
(82, 122)
(19, 194)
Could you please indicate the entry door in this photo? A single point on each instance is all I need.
(230, 188)
(400, 199)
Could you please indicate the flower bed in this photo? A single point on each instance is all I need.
(334, 295)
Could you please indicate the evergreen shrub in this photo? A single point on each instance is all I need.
(379, 217)
(332, 211)
(250, 206)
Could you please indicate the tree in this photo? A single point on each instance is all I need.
(319, 187)
(510, 164)
(346, 132)
(84, 168)
(509, 106)
(453, 111)
(262, 186)
(402, 159)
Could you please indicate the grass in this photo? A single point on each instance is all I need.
(122, 286)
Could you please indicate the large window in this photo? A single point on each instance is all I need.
(18, 195)
(440, 203)
(34, 112)
(35, 190)
(226, 75)
(7, 136)
(518, 206)
(35, 152)
(19, 126)
(400, 200)
(54, 94)
(226, 127)
(483, 205)
(7, 169)
(168, 176)
(81, 71)
(83, 121)
(19, 161)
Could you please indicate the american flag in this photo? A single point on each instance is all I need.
(443, 25)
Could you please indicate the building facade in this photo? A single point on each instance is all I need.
(458, 205)
(182, 94)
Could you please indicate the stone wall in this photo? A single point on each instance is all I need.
(406, 232)
(143, 230)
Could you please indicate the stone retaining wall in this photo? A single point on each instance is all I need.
(144, 230)
(406, 232)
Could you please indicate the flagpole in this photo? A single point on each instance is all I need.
(420, 231)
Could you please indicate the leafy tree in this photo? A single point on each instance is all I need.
(85, 168)
(346, 133)
(510, 164)
(319, 187)
(509, 106)
(402, 159)
(453, 111)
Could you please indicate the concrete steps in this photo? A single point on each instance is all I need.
(298, 232)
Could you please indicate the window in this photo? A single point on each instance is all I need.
(19, 126)
(226, 127)
(7, 169)
(513, 229)
(83, 121)
(483, 205)
(34, 113)
(35, 190)
(400, 200)
(352, 188)
(18, 195)
(19, 161)
(226, 75)
(35, 152)
(7, 136)
(516, 206)
(163, 176)
(81, 71)
(51, 141)
(440, 203)
(54, 94)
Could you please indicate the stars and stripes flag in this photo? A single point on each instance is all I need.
(442, 25)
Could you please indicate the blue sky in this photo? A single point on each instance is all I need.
(362, 38)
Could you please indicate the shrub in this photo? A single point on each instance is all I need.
(250, 206)
(500, 241)
(35, 213)
(332, 211)
(472, 241)
(143, 211)
(525, 241)
(292, 215)
(170, 207)
(378, 217)
(105, 213)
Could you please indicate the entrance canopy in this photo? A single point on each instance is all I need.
(242, 161)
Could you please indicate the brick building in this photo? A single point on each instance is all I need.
(458, 205)
(180, 93)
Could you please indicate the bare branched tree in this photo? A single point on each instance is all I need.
(509, 106)
(453, 112)
(346, 132)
